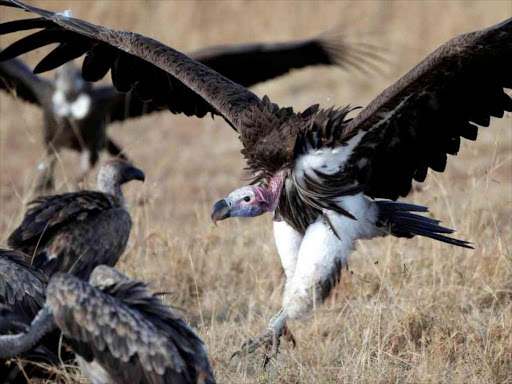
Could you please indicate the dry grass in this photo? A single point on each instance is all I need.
(407, 311)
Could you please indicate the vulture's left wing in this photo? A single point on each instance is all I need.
(247, 65)
(416, 122)
(153, 70)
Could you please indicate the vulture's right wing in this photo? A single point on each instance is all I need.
(17, 79)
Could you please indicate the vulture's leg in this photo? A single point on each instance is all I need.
(88, 159)
(323, 253)
(46, 182)
(288, 243)
(115, 150)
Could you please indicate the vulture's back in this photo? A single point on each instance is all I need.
(73, 232)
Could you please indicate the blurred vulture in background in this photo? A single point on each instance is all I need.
(22, 295)
(120, 332)
(328, 179)
(74, 232)
(76, 114)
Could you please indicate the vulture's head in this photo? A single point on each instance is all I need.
(103, 276)
(115, 173)
(248, 201)
(69, 81)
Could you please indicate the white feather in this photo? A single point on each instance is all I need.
(325, 160)
(66, 13)
(321, 249)
(77, 109)
(288, 243)
(94, 371)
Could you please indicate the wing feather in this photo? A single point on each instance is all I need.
(416, 122)
(48, 214)
(22, 287)
(17, 79)
(202, 90)
(125, 329)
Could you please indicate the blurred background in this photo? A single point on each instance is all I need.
(406, 311)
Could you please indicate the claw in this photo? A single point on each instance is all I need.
(269, 342)
(247, 348)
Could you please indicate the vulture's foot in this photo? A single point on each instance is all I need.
(269, 343)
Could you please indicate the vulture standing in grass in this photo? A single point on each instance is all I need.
(119, 331)
(74, 232)
(22, 295)
(328, 179)
(76, 114)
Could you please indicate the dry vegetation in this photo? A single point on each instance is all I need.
(406, 311)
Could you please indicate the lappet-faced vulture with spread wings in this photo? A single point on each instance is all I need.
(76, 114)
(74, 232)
(328, 180)
(119, 331)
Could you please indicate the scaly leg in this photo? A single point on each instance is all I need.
(288, 244)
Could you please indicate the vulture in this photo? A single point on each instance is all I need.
(76, 114)
(22, 295)
(329, 179)
(74, 232)
(120, 332)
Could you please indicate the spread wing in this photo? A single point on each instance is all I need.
(122, 106)
(48, 214)
(22, 287)
(414, 124)
(17, 79)
(153, 70)
(128, 331)
(249, 64)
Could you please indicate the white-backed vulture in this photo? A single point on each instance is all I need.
(74, 232)
(327, 179)
(119, 331)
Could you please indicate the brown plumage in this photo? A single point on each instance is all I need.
(319, 171)
(74, 232)
(76, 114)
(444, 90)
(120, 332)
(22, 295)
(22, 286)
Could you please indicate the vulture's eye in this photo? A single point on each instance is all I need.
(247, 199)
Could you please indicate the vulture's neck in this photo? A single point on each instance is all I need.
(273, 190)
(106, 185)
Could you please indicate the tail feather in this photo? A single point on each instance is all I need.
(401, 222)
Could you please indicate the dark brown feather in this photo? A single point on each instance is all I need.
(130, 332)
(73, 232)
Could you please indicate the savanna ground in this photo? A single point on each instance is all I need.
(414, 311)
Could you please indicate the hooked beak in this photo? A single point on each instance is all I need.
(134, 173)
(220, 211)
